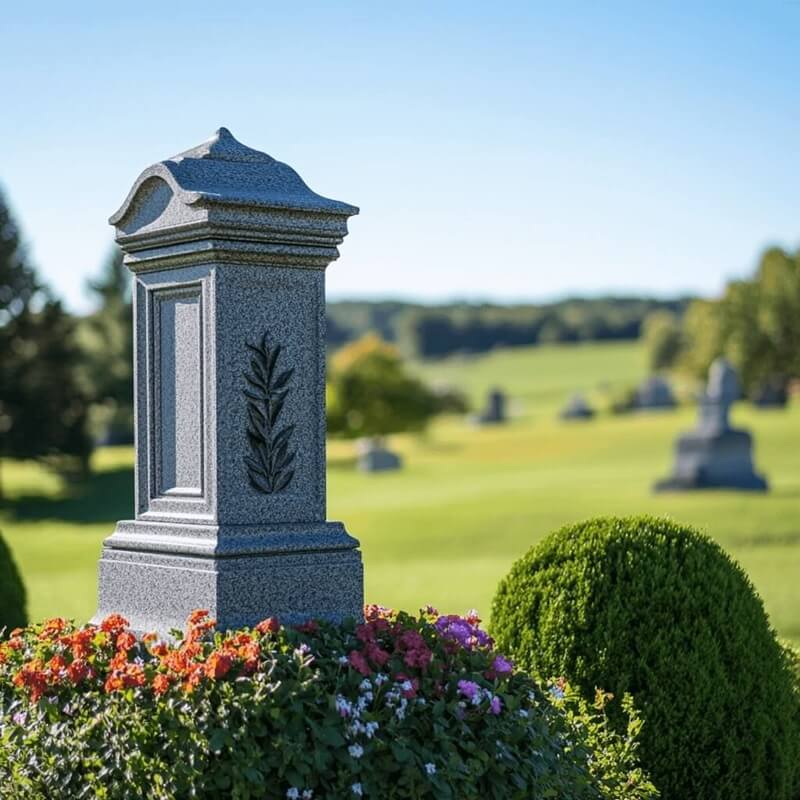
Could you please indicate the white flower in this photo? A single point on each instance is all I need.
(293, 793)
(523, 713)
(381, 678)
(365, 685)
(356, 750)
(406, 686)
(356, 789)
(370, 729)
(308, 794)
(430, 768)
(343, 661)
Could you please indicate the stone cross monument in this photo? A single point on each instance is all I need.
(714, 455)
(229, 248)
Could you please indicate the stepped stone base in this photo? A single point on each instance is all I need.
(713, 459)
(156, 574)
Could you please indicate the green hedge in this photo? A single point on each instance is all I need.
(396, 707)
(654, 608)
(12, 592)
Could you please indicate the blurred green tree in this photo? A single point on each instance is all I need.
(106, 337)
(43, 406)
(756, 323)
(661, 332)
(371, 394)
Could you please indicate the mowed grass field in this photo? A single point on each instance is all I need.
(470, 500)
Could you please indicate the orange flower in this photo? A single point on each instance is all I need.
(159, 649)
(160, 684)
(250, 653)
(56, 663)
(268, 625)
(218, 664)
(79, 670)
(16, 632)
(114, 624)
(125, 641)
(15, 643)
(52, 627)
(198, 615)
(32, 677)
(81, 642)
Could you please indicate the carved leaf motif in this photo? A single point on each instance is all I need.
(271, 455)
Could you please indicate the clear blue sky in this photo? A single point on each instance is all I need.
(497, 150)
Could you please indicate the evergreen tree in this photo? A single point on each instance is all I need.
(43, 408)
(107, 339)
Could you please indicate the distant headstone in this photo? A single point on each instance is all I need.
(654, 393)
(715, 455)
(374, 457)
(771, 394)
(495, 411)
(577, 408)
(229, 248)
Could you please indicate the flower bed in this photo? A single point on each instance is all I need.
(395, 707)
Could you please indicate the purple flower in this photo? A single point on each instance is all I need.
(502, 666)
(468, 688)
(496, 705)
(20, 717)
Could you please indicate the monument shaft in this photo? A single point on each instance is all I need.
(229, 248)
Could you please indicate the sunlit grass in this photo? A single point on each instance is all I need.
(470, 500)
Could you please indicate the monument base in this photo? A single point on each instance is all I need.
(713, 459)
(156, 574)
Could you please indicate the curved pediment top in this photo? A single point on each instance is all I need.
(224, 172)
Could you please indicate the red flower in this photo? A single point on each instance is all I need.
(268, 625)
(359, 663)
(198, 615)
(310, 627)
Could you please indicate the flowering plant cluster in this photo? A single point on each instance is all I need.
(395, 706)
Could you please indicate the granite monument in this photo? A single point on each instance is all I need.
(228, 248)
(715, 455)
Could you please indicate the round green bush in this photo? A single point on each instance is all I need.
(655, 609)
(12, 593)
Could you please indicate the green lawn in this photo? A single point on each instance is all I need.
(470, 501)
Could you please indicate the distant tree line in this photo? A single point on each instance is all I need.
(755, 323)
(439, 331)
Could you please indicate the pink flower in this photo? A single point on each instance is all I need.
(359, 663)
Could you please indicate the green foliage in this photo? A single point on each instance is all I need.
(106, 337)
(12, 592)
(397, 707)
(372, 394)
(43, 407)
(651, 608)
(756, 323)
(661, 334)
(439, 331)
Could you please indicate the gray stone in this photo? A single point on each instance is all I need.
(374, 457)
(495, 411)
(577, 408)
(715, 455)
(228, 247)
(771, 394)
(654, 393)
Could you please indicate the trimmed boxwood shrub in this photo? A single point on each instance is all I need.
(12, 592)
(653, 608)
(395, 707)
